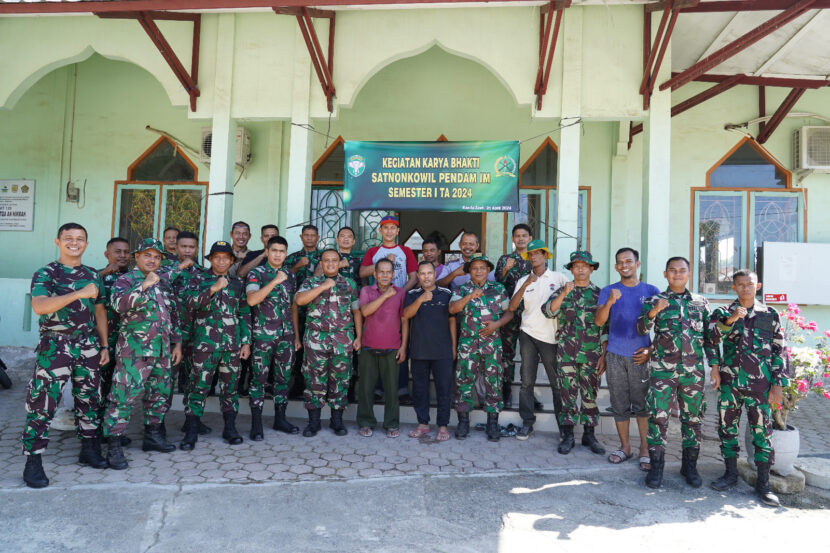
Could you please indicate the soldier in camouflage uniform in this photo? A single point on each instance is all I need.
(333, 331)
(148, 332)
(73, 344)
(481, 308)
(509, 269)
(753, 375)
(681, 339)
(221, 337)
(270, 293)
(580, 355)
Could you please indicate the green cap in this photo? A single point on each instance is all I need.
(536, 245)
(149, 244)
(584, 256)
(478, 257)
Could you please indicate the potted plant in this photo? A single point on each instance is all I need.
(808, 358)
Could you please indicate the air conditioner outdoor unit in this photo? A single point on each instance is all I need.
(811, 149)
(243, 146)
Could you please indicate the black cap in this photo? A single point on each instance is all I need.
(219, 247)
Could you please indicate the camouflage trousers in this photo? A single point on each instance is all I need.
(759, 417)
(578, 381)
(509, 339)
(665, 385)
(279, 354)
(326, 378)
(134, 374)
(205, 364)
(484, 371)
(60, 358)
(181, 372)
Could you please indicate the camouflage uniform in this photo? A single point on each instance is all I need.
(273, 333)
(681, 339)
(221, 326)
(69, 347)
(752, 362)
(510, 331)
(580, 347)
(327, 342)
(353, 270)
(112, 334)
(149, 326)
(305, 272)
(479, 359)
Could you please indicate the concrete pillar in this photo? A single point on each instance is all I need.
(657, 178)
(298, 199)
(567, 182)
(626, 199)
(223, 147)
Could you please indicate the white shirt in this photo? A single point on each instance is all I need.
(534, 322)
(456, 283)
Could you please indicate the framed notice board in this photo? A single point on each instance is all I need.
(796, 273)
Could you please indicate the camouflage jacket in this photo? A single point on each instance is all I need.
(353, 270)
(517, 271)
(77, 319)
(580, 340)
(149, 320)
(271, 318)
(330, 322)
(307, 271)
(222, 321)
(681, 331)
(489, 307)
(113, 317)
(181, 280)
(753, 347)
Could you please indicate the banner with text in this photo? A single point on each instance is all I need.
(444, 176)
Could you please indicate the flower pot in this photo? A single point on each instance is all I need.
(785, 444)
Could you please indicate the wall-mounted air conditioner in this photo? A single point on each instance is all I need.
(811, 149)
(243, 146)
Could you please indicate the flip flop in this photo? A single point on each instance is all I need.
(365, 431)
(393, 433)
(442, 436)
(645, 461)
(619, 454)
(419, 431)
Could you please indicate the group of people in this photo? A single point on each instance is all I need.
(122, 331)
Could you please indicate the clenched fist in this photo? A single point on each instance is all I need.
(390, 292)
(302, 262)
(89, 291)
(477, 293)
(280, 278)
(149, 280)
(613, 296)
(661, 304)
(531, 278)
(220, 283)
(328, 284)
(739, 313)
(186, 264)
(568, 288)
(426, 296)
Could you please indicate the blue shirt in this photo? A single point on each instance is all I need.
(429, 330)
(623, 338)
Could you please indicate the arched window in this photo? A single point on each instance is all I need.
(748, 200)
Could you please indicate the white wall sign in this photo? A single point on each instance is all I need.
(796, 273)
(17, 204)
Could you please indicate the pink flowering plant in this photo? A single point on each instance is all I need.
(808, 357)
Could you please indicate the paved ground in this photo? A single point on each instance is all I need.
(423, 492)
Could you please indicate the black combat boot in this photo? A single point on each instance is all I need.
(125, 441)
(155, 439)
(191, 433)
(256, 434)
(507, 393)
(280, 422)
(493, 430)
(91, 454)
(336, 422)
(463, 427)
(762, 488)
(566, 440)
(654, 478)
(590, 440)
(729, 478)
(313, 426)
(115, 455)
(229, 434)
(33, 474)
(688, 468)
(201, 428)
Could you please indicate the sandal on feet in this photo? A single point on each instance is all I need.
(365, 431)
(420, 430)
(645, 464)
(620, 455)
(393, 433)
(443, 435)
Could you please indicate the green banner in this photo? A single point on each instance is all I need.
(444, 176)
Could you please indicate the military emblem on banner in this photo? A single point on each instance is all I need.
(505, 166)
(356, 165)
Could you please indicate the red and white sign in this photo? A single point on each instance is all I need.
(775, 298)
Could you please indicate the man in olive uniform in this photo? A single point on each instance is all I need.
(221, 337)
(681, 339)
(580, 355)
(509, 269)
(68, 298)
(753, 375)
(148, 332)
(270, 292)
(333, 331)
(481, 310)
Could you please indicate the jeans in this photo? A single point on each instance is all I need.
(531, 349)
(442, 374)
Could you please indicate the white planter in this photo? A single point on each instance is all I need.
(785, 444)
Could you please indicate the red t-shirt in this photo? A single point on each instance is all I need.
(405, 261)
(382, 329)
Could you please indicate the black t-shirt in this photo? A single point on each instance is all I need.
(429, 330)
(250, 256)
